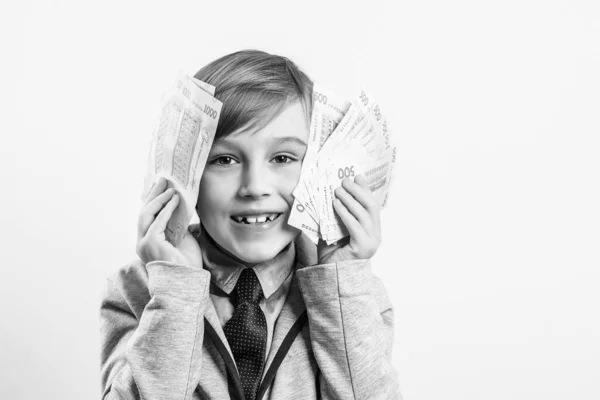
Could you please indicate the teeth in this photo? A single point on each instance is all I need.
(260, 219)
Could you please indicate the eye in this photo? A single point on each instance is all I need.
(282, 159)
(223, 160)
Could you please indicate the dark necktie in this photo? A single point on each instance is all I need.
(246, 332)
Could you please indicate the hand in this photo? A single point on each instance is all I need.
(359, 211)
(152, 244)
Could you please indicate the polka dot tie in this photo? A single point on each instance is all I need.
(246, 332)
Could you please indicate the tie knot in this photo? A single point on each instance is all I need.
(248, 287)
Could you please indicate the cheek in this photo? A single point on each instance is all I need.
(211, 197)
(288, 180)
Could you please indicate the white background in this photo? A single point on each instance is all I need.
(491, 240)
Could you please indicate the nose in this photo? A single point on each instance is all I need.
(256, 182)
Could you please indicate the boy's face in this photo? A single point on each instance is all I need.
(248, 178)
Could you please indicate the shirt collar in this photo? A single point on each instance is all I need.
(225, 269)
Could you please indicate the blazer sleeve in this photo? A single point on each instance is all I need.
(151, 328)
(351, 325)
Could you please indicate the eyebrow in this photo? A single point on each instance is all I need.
(289, 139)
(277, 141)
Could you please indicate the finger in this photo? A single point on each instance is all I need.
(354, 207)
(361, 191)
(151, 210)
(361, 181)
(154, 207)
(355, 229)
(375, 209)
(160, 223)
(159, 187)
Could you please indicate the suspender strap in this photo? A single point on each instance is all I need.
(236, 392)
(278, 359)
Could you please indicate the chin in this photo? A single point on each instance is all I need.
(257, 254)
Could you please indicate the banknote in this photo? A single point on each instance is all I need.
(328, 111)
(347, 127)
(358, 142)
(207, 87)
(374, 170)
(180, 144)
(350, 147)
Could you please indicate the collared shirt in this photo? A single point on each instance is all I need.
(274, 275)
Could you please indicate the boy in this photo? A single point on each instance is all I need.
(246, 307)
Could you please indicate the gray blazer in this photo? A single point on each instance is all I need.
(161, 337)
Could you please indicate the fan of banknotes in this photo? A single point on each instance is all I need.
(180, 145)
(346, 139)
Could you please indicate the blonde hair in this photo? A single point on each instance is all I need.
(254, 87)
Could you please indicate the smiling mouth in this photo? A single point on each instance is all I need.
(255, 219)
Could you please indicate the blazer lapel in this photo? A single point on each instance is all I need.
(212, 318)
(212, 328)
(292, 310)
(306, 254)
